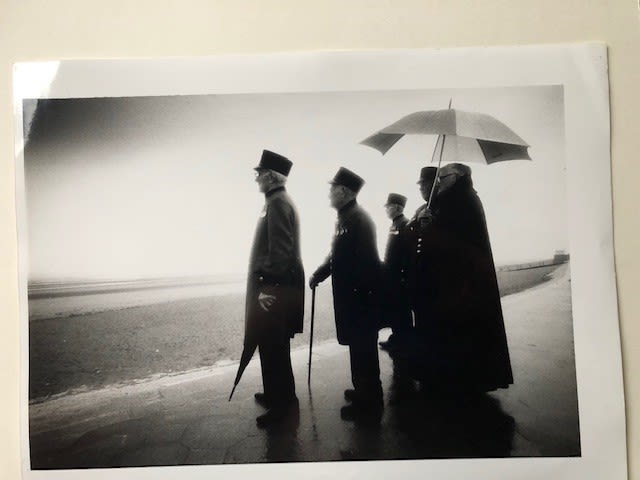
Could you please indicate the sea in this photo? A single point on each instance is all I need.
(67, 298)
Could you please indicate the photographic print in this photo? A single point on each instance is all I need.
(305, 266)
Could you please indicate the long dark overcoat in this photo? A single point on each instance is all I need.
(354, 266)
(467, 332)
(395, 274)
(275, 268)
(396, 255)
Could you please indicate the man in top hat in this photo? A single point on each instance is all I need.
(354, 266)
(275, 288)
(398, 310)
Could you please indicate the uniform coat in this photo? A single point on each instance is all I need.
(395, 256)
(275, 268)
(395, 268)
(419, 275)
(354, 266)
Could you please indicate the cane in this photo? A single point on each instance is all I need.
(313, 311)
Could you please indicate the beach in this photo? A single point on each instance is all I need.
(84, 342)
(186, 418)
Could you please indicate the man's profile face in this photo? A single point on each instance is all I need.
(425, 189)
(336, 196)
(392, 210)
(263, 179)
(446, 181)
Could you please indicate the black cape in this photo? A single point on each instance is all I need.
(465, 338)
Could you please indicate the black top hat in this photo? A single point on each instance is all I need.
(396, 199)
(347, 178)
(275, 162)
(427, 174)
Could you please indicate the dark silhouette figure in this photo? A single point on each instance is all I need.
(461, 341)
(354, 267)
(275, 289)
(397, 311)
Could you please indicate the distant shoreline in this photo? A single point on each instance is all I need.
(53, 289)
(66, 288)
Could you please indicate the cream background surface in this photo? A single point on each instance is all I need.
(41, 30)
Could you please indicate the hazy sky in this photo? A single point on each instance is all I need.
(164, 186)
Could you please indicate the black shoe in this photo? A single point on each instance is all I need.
(361, 414)
(348, 413)
(261, 399)
(279, 415)
(349, 394)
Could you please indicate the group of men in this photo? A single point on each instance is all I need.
(436, 289)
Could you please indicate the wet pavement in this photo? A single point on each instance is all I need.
(186, 419)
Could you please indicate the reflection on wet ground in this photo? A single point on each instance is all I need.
(415, 425)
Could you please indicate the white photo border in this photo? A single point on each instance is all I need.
(581, 69)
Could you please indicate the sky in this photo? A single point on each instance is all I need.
(140, 187)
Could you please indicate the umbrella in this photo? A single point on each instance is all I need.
(470, 136)
(247, 352)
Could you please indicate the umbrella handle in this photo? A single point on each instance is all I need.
(433, 187)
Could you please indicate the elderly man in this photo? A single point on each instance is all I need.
(398, 311)
(354, 266)
(419, 274)
(471, 354)
(275, 289)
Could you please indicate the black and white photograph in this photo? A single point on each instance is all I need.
(313, 265)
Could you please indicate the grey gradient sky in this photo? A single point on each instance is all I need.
(162, 186)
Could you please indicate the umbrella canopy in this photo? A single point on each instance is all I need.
(247, 353)
(471, 137)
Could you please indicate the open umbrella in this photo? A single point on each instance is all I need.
(478, 137)
(463, 136)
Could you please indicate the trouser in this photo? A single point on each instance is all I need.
(277, 374)
(365, 369)
(398, 310)
(402, 319)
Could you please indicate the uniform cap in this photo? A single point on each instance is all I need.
(427, 174)
(347, 178)
(396, 199)
(276, 162)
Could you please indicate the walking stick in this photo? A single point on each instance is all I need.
(313, 311)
